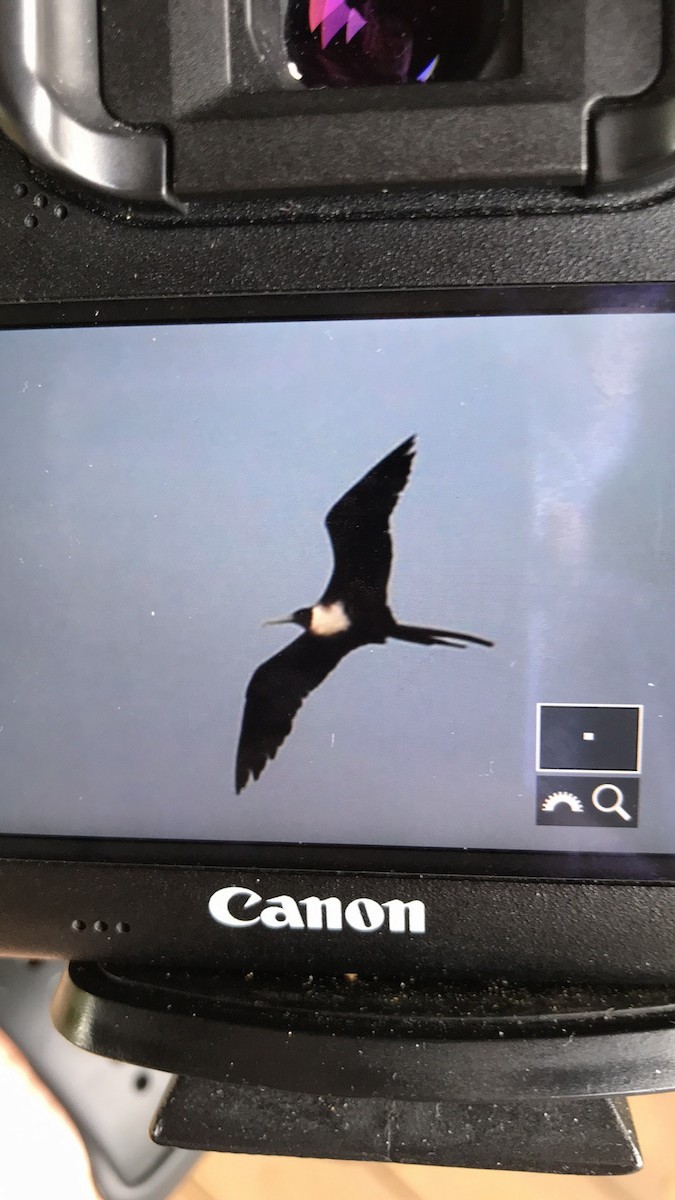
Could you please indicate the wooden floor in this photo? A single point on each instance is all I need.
(244, 1177)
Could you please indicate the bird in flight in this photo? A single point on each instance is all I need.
(352, 612)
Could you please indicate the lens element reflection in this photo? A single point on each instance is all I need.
(335, 43)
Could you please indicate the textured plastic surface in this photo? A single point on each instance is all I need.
(494, 1043)
(609, 933)
(636, 141)
(591, 1137)
(528, 128)
(430, 243)
(496, 1076)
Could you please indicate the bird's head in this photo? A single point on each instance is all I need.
(301, 616)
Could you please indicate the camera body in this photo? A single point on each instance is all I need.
(551, 190)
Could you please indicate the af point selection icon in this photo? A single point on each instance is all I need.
(588, 764)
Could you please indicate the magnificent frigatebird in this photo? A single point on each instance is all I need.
(352, 612)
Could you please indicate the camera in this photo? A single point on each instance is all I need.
(360, 312)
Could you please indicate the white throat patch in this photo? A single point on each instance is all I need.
(329, 619)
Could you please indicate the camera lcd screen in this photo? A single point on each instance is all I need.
(471, 521)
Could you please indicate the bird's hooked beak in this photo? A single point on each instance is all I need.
(290, 620)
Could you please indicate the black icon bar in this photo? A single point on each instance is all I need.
(609, 802)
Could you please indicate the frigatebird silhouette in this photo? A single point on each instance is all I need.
(352, 612)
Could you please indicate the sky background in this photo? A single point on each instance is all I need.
(163, 491)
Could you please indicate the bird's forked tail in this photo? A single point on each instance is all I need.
(436, 637)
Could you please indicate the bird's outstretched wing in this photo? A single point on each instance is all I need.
(358, 526)
(276, 692)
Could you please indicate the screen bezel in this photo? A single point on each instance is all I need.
(451, 863)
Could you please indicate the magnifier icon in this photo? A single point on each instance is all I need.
(615, 797)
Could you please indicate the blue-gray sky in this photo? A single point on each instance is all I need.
(163, 492)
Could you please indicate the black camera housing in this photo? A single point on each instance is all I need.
(565, 206)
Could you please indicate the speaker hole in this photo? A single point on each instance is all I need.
(122, 927)
(101, 926)
(141, 1082)
(79, 926)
